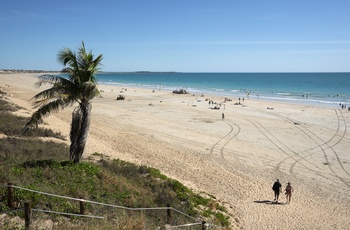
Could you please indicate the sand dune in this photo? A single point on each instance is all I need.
(236, 159)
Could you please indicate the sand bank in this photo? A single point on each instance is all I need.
(236, 159)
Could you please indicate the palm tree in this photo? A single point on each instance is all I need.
(78, 86)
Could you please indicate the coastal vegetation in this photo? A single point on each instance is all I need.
(37, 160)
(80, 87)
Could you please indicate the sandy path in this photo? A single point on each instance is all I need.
(236, 159)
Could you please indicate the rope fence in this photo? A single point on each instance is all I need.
(28, 210)
(67, 214)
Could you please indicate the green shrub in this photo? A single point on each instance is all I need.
(43, 166)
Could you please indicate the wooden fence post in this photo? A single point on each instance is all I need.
(203, 225)
(10, 198)
(169, 215)
(27, 215)
(82, 207)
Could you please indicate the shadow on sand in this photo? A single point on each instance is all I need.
(268, 202)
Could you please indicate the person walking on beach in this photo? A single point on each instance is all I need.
(223, 116)
(289, 190)
(276, 188)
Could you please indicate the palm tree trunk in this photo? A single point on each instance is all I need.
(79, 131)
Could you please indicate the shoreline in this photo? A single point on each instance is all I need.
(308, 88)
(293, 101)
(333, 102)
(235, 159)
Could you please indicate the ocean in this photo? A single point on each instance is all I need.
(310, 88)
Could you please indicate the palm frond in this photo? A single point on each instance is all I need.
(88, 91)
(69, 72)
(97, 63)
(88, 65)
(43, 111)
(60, 87)
(46, 79)
(38, 103)
(67, 57)
(48, 93)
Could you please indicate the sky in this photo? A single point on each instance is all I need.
(180, 35)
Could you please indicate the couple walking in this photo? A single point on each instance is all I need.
(277, 188)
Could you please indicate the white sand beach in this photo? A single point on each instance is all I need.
(236, 159)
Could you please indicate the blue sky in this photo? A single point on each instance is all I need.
(180, 35)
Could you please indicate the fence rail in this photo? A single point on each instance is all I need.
(28, 210)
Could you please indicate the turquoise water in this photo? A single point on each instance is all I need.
(310, 88)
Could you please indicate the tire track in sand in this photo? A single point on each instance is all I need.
(323, 146)
(291, 154)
